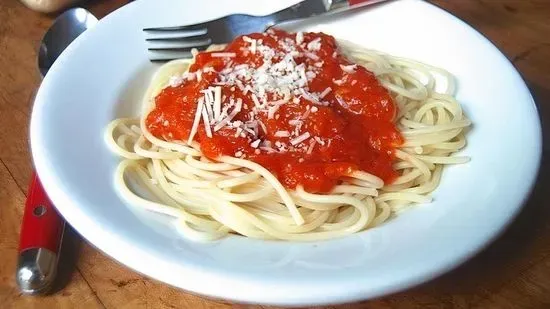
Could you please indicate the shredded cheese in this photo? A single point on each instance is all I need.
(208, 104)
(278, 80)
(314, 45)
(342, 102)
(262, 125)
(255, 144)
(312, 56)
(319, 140)
(223, 55)
(229, 117)
(206, 122)
(196, 121)
(348, 68)
(175, 81)
(299, 37)
(294, 122)
(282, 134)
(299, 139)
(217, 102)
(272, 110)
(256, 101)
(325, 92)
(312, 143)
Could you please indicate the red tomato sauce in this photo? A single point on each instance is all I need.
(352, 130)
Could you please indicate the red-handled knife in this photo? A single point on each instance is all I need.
(42, 226)
(40, 240)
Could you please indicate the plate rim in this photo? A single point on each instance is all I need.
(360, 294)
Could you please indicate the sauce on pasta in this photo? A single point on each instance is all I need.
(339, 120)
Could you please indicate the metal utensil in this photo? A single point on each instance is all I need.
(168, 43)
(42, 226)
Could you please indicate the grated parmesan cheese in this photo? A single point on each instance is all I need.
(299, 37)
(342, 102)
(206, 122)
(299, 139)
(312, 56)
(196, 121)
(217, 102)
(294, 122)
(282, 134)
(348, 68)
(319, 140)
(223, 55)
(284, 75)
(325, 92)
(175, 81)
(230, 117)
(314, 45)
(312, 143)
(272, 110)
(262, 125)
(255, 144)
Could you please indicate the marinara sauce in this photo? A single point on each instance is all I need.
(307, 114)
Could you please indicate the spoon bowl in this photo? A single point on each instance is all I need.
(64, 30)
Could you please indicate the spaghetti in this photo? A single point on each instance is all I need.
(288, 136)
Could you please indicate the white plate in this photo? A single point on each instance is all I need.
(104, 73)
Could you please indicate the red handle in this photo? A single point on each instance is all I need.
(42, 225)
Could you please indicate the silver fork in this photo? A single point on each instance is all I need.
(169, 43)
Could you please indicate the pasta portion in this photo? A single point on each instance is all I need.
(213, 197)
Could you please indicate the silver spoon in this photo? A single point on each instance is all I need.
(42, 226)
(67, 27)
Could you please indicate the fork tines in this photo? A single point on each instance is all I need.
(169, 43)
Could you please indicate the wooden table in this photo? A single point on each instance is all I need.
(513, 272)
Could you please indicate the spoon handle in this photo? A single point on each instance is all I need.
(40, 239)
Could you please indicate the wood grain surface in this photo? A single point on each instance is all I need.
(513, 272)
